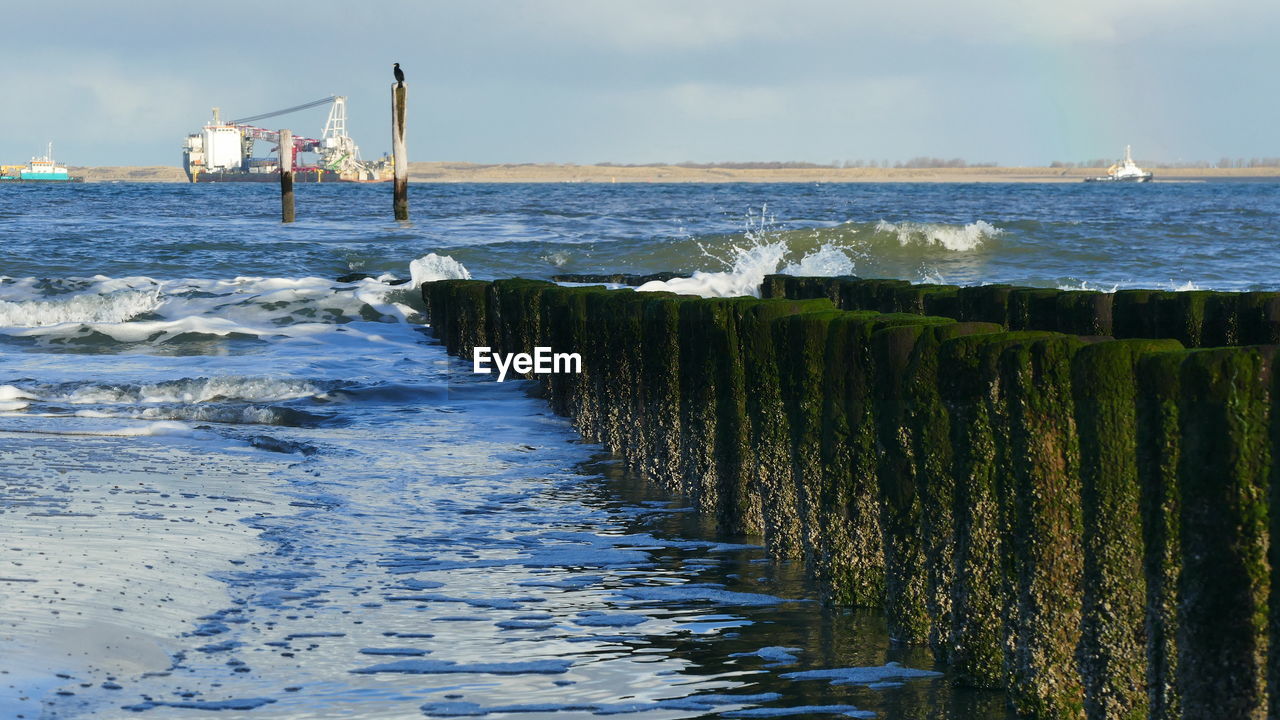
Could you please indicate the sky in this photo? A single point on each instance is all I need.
(640, 81)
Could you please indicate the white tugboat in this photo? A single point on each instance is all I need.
(1124, 171)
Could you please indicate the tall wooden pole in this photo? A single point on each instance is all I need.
(400, 156)
(286, 176)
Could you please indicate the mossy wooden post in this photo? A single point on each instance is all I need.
(1113, 648)
(1259, 318)
(774, 511)
(969, 385)
(1158, 447)
(1223, 472)
(1033, 309)
(1135, 314)
(458, 311)
(660, 368)
(399, 154)
(800, 346)
(1045, 532)
(1181, 316)
(286, 176)
(846, 501)
(707, 343)
(901, 514)
(928, 430)
(1221, 320)
(984, 303)
(1085, 312)
(617, 347)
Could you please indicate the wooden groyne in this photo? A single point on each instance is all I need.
(1080, 520)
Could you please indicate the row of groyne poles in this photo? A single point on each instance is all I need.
(399, 155)
(1081, 520)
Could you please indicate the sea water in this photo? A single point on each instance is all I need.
(234, 482)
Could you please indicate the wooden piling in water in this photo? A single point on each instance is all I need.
(286, 176)
(399, 101)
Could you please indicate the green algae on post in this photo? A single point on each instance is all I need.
(1113, 648)
(970, 389)
(1158, 448)
(1044, 543)
(1223, 474)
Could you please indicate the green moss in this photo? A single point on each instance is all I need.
(774, 286)
(1181, 316)
(458, 311)
(874, 294)
(1033, 309)
(1113, 652)
(712, 408)
(1158, 448)
(927, 428)
(1223, 473)
(1221, 320)
(659, 452)
(969, 384)
(1084, 312)
(1134, 314)
(1259, 314)
(800, 345)
(1043, 532)
(569, 331)
(766, 449)
(901, 520)
(515, 311)
(920, 299)
(618, 353)
(984, 303)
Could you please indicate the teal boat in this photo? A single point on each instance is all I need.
(42, 169)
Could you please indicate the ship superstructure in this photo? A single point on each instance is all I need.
(1124, 171)
(223, 151)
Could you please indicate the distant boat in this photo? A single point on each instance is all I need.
(1124, 171)
(42, 169)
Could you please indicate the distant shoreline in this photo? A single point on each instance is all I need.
(457, 172)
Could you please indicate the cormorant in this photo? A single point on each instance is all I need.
(399, 73)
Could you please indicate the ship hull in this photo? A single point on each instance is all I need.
(55, 181)
(299, 176)
(1137, 179)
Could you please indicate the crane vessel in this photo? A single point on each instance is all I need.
(223, 151)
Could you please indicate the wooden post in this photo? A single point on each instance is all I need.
(286, 176)
(400, 156)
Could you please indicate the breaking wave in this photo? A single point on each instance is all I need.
(111, 307)
(879, 249)
(957, 238)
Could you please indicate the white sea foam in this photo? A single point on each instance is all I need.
(436, 267)
(112, 307)
(957, 238)
(185, 390)
(135, 310)
(749, 266)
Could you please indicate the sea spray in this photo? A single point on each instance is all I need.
(764, 252)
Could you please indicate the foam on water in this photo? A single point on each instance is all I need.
(111, 307)
(956, 238)
(764, 250)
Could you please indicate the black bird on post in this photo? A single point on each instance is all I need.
(398, 73)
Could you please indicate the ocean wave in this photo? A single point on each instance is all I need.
(112, 307)
(431, 267)
(956, 238)
(882, 248)
(184, 390)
